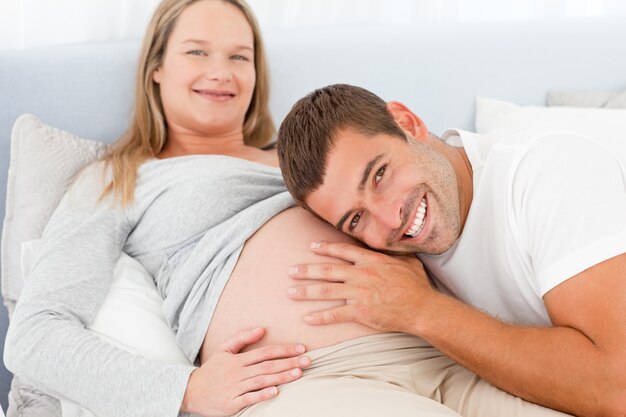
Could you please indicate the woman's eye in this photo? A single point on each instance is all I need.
(196, 52)
(379, 174)
(239, 58)
(354, 221)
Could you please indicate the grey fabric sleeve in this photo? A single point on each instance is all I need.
(48, 344)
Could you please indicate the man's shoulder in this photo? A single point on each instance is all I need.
(504, 142)
(536, 136)
(516, 159)
(546, 144)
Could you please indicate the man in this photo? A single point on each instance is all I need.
(527, 230)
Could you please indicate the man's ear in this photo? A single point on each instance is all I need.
(407, 120)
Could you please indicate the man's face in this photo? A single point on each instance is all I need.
(395, 196)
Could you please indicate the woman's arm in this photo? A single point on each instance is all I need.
(47, 342)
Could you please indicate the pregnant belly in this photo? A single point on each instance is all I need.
(256, 293)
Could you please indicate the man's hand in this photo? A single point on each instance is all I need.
(380, 291)
(229, 380)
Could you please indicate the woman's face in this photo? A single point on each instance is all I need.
(207, 75)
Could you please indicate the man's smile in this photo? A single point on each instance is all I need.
(416, 226)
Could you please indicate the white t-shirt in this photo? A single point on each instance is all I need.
(546, 206)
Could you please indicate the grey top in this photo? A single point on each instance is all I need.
(187, 226)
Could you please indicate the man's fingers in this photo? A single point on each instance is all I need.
(335, 315)
(346, 251)
(328, 271)
(320, 292)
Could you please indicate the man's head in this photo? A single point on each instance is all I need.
(372, 169)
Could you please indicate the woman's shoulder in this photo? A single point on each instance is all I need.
(89, 183)
(97, 172)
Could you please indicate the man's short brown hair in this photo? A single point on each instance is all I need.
(307, 133)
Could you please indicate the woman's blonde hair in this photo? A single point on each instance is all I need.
(147, 133)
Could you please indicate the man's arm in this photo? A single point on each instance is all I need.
(577, 366)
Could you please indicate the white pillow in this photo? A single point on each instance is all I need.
(606, 99)
(44, 160)
(130, 317)
(606, 125)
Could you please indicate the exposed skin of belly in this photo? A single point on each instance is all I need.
(256, 293)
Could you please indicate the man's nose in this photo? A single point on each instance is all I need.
(387, 212)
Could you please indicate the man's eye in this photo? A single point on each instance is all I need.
(354, 221)
(379, 174)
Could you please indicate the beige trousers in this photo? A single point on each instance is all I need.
(390, 375)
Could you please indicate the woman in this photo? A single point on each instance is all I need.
(202, 90)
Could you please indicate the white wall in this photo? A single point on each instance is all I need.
(27, 23)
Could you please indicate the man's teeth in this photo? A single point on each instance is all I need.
(418, 222)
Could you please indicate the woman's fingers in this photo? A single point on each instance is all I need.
(266, 372)
(263, 381)
(253, 397)
(270, 353)
(231, 380)
(243, 339)
(280, 365)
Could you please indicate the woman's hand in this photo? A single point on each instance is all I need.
(231, 380)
